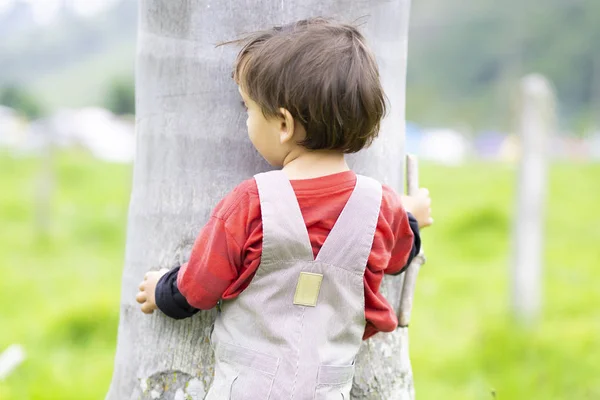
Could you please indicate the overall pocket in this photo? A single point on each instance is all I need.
(225, 375)
(254, 372)
(334, 382)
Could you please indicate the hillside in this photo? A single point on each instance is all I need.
(465, 59)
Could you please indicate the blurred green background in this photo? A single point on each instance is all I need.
(61, 256)
(60, 291)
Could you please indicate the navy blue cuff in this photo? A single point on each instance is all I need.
(416, 246)
(169, 299)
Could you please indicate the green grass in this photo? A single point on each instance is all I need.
(464, 343)
(60, 290)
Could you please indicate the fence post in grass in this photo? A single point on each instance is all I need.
(535, 125)
(410, 276)
(44, 186)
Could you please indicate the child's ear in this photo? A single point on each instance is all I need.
(286, 127)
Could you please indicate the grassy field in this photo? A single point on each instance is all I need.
(59, 292)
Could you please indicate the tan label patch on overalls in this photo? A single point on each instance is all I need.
(307, 290)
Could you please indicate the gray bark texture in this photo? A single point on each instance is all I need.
(537, 122)
(192, 149)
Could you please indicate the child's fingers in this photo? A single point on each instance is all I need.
(147, 308)
(423, 192)
(141, 297)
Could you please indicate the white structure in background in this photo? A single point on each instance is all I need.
(105, 135)
(13, 128)
(593, 145)
(96, 129)
(10, 359)
(444, 146)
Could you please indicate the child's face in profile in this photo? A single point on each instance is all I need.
(265, 133)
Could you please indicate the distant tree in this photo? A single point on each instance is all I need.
(120, 97)
(463, 64)
(18, 98)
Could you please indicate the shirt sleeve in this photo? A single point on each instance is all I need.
(217, 257)
(212, 267)
(401, 232)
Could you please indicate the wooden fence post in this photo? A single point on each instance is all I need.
(536, 123)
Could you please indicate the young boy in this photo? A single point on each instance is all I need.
(296, 256)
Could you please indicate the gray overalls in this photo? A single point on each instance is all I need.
(294, 332)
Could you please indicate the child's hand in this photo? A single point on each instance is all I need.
(146, 294)
(419, 205)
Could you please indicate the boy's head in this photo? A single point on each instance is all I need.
(313, 83)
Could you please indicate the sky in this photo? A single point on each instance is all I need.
(45, 10)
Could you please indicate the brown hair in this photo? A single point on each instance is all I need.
(323, 73)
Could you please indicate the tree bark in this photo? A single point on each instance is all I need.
(192, 149)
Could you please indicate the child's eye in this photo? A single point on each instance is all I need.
(244, 105)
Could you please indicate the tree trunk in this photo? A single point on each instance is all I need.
(192, 149)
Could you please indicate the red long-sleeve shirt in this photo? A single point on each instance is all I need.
(227, 252)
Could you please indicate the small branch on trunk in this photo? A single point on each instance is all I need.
(410, 276)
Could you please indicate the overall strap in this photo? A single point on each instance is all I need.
(285, 236)
(349, 243)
